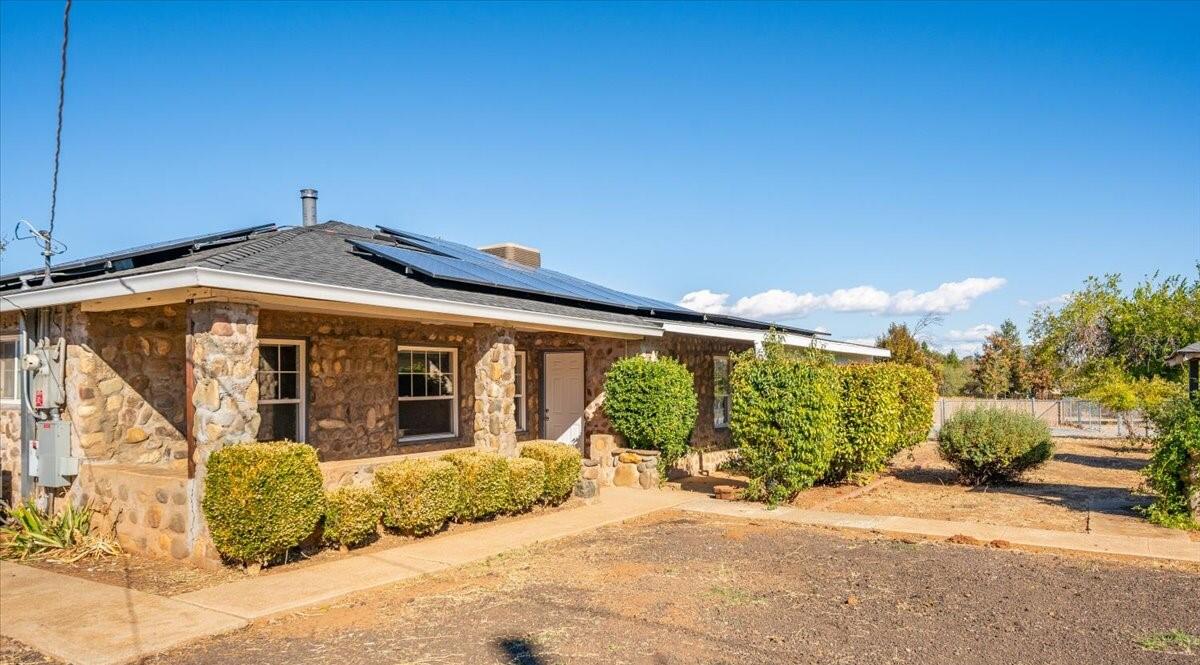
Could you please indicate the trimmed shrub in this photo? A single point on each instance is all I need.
(484, 488)
(563, 464)
(784, 419)
(994, 445)
(918, 394)
(870, 421)
(652, 403)
(261, 499)
(418, 495)
(526, 481)
(351, 515)
(1174, 469)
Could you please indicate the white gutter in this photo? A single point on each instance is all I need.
(237, 281)
(790, 339)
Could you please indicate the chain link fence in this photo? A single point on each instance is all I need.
(1064, 417)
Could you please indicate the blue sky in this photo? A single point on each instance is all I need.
(786, 157)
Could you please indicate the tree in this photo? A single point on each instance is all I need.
(907, 350)
(1002, 369)
(1099, 326)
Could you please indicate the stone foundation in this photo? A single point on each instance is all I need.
(148, 509)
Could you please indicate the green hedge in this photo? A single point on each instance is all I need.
(526, 481)
(918, 394)
(652, 403)
(484, 488)
(870, 420)
(261, 499)
(784, 419)
(418, 496)
(1176, 452)
(351, 515)
(990, 445)
(563, 464)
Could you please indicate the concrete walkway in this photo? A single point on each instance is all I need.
(86, 622)
(258, 597)
(1095, 543)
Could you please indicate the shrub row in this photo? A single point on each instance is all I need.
(261, 499)
(798, 419)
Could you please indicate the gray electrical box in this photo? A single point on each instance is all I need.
(52, 439)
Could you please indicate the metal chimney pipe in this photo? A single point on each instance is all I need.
(308, 201)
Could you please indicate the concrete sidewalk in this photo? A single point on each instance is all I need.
(258, 597)
(86, 622)
(1134, 546)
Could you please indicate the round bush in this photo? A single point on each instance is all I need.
(563, 464)
(652, 403)
(261, 499)
(918, 394)
(351, 515)
(870, 421)
(527, 482)
(483, 484)
(994, 445)
(419, 495)
(784, 419)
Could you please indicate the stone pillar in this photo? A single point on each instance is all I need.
(223, 343)
(495, 421)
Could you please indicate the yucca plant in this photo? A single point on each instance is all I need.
(30, 532)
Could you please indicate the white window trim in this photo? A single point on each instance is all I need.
(522, 420)
(453, 397)
(301, 383)
(17, 378)
(724, 425)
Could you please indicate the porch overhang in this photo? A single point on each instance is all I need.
(790, 339)
(197, 283)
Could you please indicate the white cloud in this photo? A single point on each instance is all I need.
(775, 304)
(821, 329)
(973, 334)
(1059, 299)
(963, 342)
(705, 301)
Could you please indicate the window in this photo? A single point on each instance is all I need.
(427, 386)
(720, 392)
(281, 389)
(10, 369)
(519, 395)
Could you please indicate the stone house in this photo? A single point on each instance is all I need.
(368, 344)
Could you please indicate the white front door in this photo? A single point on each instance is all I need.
(562, 417)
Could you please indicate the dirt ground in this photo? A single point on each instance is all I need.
(169, 578)
(1089, 485)
(683, 588)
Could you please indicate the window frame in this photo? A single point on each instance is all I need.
(728, 405)
(15, 400)
(519, 391)
(301, 398)
(453, 397)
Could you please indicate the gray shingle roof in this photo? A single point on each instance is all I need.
(322, 254)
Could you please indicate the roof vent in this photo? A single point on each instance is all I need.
(308, 204)
(511, 251)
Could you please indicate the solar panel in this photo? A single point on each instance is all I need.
(164, 246)
(441, 259)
